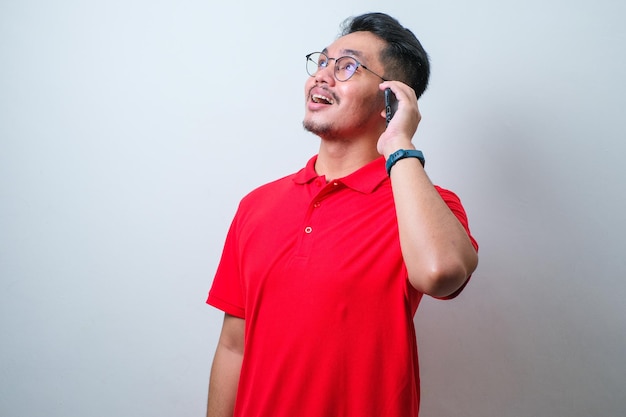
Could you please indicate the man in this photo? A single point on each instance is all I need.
(322, 271)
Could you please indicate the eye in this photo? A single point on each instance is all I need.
(350, 66)
(347, 66)
(322, 61)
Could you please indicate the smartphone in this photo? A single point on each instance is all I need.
(391, 104)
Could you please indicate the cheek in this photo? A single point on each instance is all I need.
(371, 103)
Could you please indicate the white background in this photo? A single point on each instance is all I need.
(129, 130)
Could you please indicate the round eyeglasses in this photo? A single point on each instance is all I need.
(345, 66)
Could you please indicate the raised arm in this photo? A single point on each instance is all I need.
(226, 368)
(437, 250)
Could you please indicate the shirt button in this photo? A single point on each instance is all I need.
(308, 229)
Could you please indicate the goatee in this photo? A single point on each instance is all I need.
(324, 130)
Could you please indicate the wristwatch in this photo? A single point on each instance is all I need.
(401, 154)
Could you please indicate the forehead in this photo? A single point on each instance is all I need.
(365, 46)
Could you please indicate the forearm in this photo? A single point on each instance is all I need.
(226, 368)
(436, 249)
(223, 382)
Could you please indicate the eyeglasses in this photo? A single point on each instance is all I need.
(345, 66)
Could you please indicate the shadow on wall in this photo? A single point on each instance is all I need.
(546, 323)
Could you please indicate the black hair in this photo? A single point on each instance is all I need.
(404, 58)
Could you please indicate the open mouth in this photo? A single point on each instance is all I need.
(318, 98)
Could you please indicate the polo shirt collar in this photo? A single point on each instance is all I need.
(365, 179)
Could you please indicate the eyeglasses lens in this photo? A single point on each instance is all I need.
(345, 67)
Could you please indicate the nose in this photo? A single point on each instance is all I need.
(325, 74)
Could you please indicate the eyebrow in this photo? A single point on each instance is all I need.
(347, 52)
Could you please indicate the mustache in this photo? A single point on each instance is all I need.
(326, 90)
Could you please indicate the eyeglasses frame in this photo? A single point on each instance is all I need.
(358, 65)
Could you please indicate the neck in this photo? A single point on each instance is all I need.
(338, 159)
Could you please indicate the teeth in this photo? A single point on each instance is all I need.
(318, 98)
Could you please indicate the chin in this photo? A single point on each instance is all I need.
(319, 129)
(324, 132)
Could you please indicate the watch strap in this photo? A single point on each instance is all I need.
(401, 154)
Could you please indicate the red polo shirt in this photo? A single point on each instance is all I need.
(316, 271)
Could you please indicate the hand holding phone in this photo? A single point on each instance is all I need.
(391, 104)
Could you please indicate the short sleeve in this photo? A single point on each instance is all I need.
(454, 204)
(226, 292)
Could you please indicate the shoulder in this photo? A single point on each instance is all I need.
(269, 189)
(284, 184)
(268, 198)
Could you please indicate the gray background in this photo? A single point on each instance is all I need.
(129, 130)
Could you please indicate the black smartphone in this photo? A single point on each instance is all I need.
(391, 104)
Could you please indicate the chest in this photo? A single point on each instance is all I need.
(328, 241)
